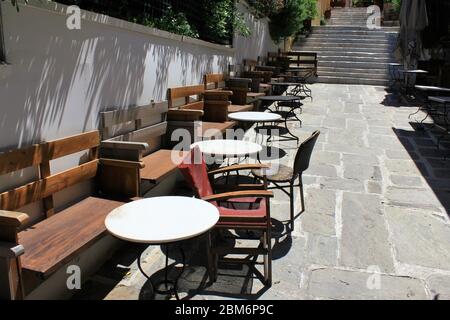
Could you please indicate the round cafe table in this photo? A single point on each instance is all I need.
(162, 221)
(255, 117)
(286, 115)
(228, 148)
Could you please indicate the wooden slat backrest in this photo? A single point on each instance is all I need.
(249, 64)
(47, 184)
(304, 57)
(44, 188)
(111, 118)
(186, 93)
(70, 145)
(144, 134)
(35, 155)
(272, 56)
(16, 160)
(113, 122)
(214, 81)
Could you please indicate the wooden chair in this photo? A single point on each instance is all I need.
(202, 119)
(254, 215)
(31, 253)
(216, 82)
(132, 149)
(284, 177)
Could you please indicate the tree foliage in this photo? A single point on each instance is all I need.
(289, 20)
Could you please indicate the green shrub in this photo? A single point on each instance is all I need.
(175, 22)
(289, 20)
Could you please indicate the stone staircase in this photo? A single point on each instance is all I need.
(349, 52)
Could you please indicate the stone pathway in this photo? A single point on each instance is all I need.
(376, 224)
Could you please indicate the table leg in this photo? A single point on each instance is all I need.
(170, 285)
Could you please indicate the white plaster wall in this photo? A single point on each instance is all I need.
(58, 80)
(259, 43)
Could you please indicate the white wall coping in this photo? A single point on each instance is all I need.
(61, 9)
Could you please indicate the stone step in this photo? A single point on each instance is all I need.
(355, 28)
(350, 73)
(341, 30)
(345, 45)
(341, 58)
(350, 17)
(362, 81)
(354, 70)
(356, 42)
(351, 54)
(353, 65)
(352, 9)
(354, 35)
(350, 21)
(320, 49)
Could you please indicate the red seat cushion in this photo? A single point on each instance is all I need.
(255, 211)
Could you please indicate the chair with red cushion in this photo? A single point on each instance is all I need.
(239, 210)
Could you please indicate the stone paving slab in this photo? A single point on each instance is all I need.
(419, 238)
(362, 219)
(340, 284)
(439, 286)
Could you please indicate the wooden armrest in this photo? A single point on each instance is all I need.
(239, 167)
(239, 89)
(239, 194)
(185, 115)
(124, 145)
(239, 187)
(13, 219)
(185, 112)
(11, 250)
(122, 163)
(216, 92)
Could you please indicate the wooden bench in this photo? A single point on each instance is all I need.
(30, 254)
(306, 60)
(202, 119)
(251, 71)
(132, 152)
(242, 94)
(215, 82)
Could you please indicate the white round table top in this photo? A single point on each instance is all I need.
(254, 116)
(228, 148)
(162, 220)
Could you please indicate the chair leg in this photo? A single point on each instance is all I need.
(268, 258)
(302, 194)
(291, 201)
(211, 259)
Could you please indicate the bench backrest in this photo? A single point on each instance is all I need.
(188, 97)
(145, 124)
(214, 81)
(250, 65)
(47, 184)
(240, 88)
(304, 58)
(190, 104)
(272, 57)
